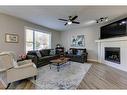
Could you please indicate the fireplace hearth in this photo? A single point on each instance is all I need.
(112, 54)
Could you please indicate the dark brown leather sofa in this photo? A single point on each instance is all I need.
(81, 58)
(43, 59)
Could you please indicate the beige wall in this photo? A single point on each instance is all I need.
(9, 24)
(91, 34)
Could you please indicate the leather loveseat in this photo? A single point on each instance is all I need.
(77, 55)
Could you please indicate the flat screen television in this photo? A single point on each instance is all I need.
(115, 29)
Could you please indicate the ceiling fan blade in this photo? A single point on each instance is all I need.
(74, 17)
(75, 22)
(65, 24)
(63, 19)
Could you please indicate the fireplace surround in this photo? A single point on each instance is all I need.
(118, 42)
(112, 54)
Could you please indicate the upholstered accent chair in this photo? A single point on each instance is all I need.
(5, 64)
(13, 70)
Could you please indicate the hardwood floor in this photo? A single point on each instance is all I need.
(24, 84)
(99, 76)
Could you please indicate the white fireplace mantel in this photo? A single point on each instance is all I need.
(120, 42)
(112, 39)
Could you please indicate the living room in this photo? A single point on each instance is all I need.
(64, 43)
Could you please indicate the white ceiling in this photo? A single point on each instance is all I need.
(48, 15)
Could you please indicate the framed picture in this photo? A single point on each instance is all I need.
(78, 41)
(11, 38)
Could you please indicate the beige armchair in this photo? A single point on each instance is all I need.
(14, 71)
(5, 64)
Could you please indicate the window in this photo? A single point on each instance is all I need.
(36, 40)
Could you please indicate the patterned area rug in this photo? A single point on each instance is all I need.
(69, 76)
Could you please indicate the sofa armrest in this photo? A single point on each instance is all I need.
(30, 56)
(84, 56)
(25, 65)
(33, 58)
(21, 72)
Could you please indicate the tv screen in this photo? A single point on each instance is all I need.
(115, 29)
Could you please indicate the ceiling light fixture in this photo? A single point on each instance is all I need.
(102, 19)
(69, 22)
(123, 22)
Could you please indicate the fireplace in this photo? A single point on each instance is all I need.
(112, 54)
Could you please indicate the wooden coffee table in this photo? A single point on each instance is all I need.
(58, 62)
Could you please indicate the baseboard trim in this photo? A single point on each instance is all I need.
(93, 61)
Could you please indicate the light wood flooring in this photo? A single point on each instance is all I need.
(99, 76)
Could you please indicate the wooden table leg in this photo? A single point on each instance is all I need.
(50, 65)
(58, 67)
(8, 85)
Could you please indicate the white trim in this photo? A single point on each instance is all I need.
(93, 60)
(113, 42)
(50, 42)
(112, 39)
(24, 40)
(35, 29)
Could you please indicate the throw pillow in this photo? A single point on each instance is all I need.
(69, 51)
(52, 52)
(45, 52)
(38, 53)
(74, 51)
(79, 52)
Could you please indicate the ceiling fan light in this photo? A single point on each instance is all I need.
(106, 19)
(102, 19)
(69, 22)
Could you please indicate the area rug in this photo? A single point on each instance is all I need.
(69, 76)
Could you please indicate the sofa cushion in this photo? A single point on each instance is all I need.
(45, 58)
(24, 62)
(52, 52)
(74, 51)
(38, 54)
(79, 52)
(45, 52)
(69, 51)
(32, 53)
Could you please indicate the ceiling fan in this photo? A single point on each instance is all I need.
(70, 20)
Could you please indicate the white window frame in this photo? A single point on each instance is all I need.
(34, 29)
